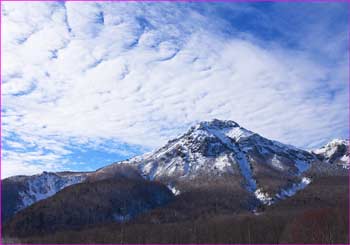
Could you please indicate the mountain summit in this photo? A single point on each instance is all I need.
(266, 169)
(212, 147)
(335, 152)
(216, 155)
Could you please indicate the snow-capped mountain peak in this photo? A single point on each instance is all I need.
(226, 128)
(218, 124)
(209, 151)
(216, 148)
(221, 129)
(206, 148)
(335, 152)
(331, 146)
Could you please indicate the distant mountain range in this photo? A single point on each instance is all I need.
(217, 155)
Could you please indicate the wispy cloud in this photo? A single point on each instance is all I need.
(118, 79)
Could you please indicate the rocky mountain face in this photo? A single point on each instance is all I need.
(19, 192)
(335, 152)
(266, 169)
(212, 157)
(332, 159)
(89, 203)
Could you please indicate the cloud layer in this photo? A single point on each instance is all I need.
(118, 79)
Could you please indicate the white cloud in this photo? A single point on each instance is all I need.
(142, 73)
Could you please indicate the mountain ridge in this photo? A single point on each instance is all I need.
(266, 169)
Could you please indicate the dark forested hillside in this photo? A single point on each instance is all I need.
(317, 214)
(89, 203)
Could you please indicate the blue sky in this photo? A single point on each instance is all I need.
(88, 84)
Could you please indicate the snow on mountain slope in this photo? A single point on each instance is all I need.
(335, 152)
(91, 203)
(198, 152)
(45, 185)
(294, 188)
(19, 192)
(213, 147)
(217, 148)
(284, 193)
(265, 169)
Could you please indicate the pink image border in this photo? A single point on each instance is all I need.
(189, 1)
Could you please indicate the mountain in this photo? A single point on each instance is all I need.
(264, 168)
(217, 174)
(19, 192)
(336, 152)
(90, 203)
(211, 157)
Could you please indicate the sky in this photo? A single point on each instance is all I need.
(88, 84)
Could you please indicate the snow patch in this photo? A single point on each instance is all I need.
(284, 193)
(302, 166)
(174, 190)
(275, 162)
(237, 133)
(344, 161)
(266, 199)
(222, 163)
(263, 197)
